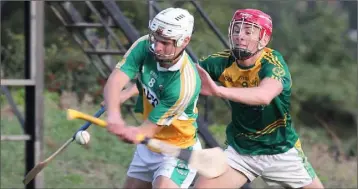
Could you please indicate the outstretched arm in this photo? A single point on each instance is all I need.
(261, 95)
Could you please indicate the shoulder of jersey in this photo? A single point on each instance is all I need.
(223, 55)
(142, 41)
(273, 56)
(273, 52)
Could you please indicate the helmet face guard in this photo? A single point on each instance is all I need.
(165, 57)
(248, 28)
(243, 37)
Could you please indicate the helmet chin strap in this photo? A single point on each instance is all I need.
(164, 61)
(244, 54)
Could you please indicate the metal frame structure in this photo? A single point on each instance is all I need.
(34, 86)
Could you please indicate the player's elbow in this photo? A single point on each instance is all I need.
(265, 100)
(265, 97)
(269, 90)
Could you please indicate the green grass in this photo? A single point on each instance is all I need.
(103, 163)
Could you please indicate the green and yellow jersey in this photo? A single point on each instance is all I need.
(169, 96)
(256, 130)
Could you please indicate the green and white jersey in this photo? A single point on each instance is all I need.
(169, 95)
(256, 130)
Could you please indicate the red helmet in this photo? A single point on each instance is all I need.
(254, 17)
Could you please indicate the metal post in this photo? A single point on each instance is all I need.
(122, 21)
(203, 14)
(151, 11)
(34, 68)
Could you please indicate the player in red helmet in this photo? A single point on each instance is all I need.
(256, 80)
(247, 20)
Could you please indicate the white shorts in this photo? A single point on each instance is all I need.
(289, 169)
(148, 165)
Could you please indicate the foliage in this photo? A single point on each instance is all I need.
(312, 37)
(66, 68)
(13, 52)
(317, 55)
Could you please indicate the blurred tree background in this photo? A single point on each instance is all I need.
(315, 38)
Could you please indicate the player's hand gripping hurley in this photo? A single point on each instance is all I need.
(208, 162)
(38, 168)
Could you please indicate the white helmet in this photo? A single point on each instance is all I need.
(173, 23)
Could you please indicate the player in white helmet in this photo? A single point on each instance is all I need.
(169, 85)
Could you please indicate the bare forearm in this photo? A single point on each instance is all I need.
(149, 129)
(112, 97)
(127, 93)
(113, 90)
(249, 96)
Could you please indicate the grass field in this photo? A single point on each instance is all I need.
(103, 163)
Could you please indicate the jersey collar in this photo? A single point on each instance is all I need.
(175, 67)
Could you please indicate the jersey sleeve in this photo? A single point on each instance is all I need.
(277, 70)
(214, 64)
(132, 60)
(178, 96)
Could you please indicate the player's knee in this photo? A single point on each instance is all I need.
(134, 183)
(164, 182)
(223, 181)
(316, 184)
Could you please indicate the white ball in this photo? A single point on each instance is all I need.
(82, 137)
